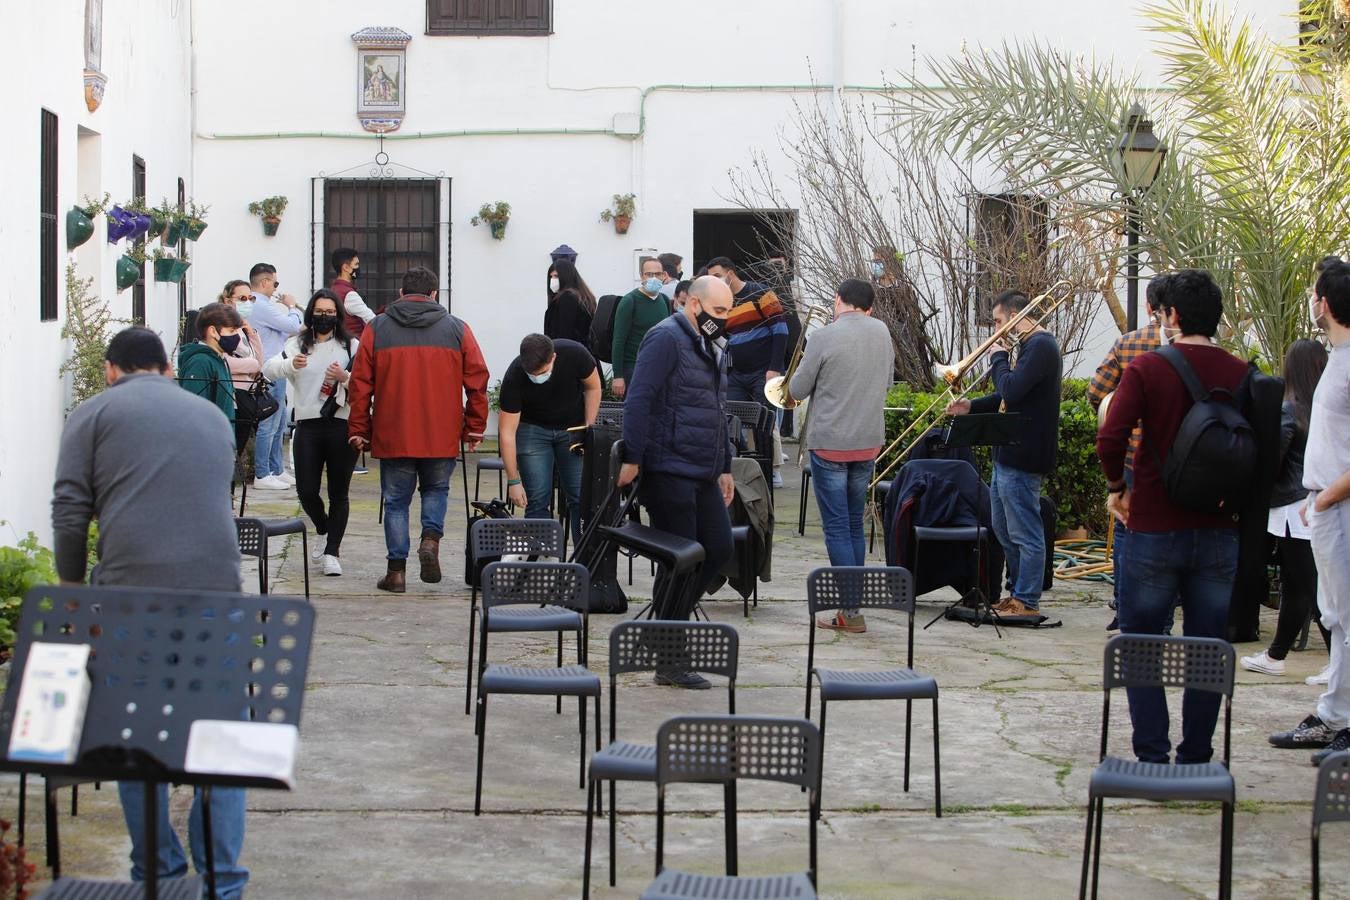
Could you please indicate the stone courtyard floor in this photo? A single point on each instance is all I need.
(383, 805)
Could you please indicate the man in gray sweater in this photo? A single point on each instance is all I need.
(847, 370)
(152, 463)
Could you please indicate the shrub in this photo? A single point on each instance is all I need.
(21, 568)
(1077, 485)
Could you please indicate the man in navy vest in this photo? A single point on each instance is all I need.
(675, 434)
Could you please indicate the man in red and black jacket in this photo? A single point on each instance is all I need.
(1173, 553)
(426, 373)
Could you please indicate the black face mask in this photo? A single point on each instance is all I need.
(356, 273)
(228, 343)
(324, 324)
(710, 326)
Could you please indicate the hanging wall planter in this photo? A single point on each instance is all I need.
(194, 229)
(120, 224)
(169, 269)
(176, 230)
(496, 215)
(79, 227)
(270, 211)
(128, 272)
(621, 212)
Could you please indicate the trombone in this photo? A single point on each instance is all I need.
(953, 374)
(776, 388)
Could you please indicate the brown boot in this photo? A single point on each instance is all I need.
(394, 581)
(429, 555)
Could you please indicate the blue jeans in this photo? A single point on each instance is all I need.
(398, 479)
(1199, 564)
(1015, 497)
(841, 494)
(538, 450)
(746, 386)
(267, 446)
(227, 836)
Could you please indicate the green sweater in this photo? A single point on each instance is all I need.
(635, 315)
(202, 371)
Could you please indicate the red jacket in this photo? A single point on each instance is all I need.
(418, 363)
(355, 325)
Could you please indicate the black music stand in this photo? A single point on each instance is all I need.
(977, 430)
(160, 661)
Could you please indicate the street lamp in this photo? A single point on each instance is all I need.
(1141, 155)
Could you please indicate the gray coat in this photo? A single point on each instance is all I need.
(846, 371)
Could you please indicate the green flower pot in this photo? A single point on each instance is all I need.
(270, 226)
(195, 227)
(177, 229)
(128, 272)
(79, 227)
(159, 220)
(180, 268)
(164, 269)
(498, 230)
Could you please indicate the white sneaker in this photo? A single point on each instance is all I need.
(1322, 677)
(270, 483)
(1262, 663)
(286, 477)
(331, 566)
(317, 552)
(777, 478)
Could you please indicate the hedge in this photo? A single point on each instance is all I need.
(1077, 485)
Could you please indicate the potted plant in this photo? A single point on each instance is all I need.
(496, 215)
(177, 227)
(160, 218)
(120, 224)
(196, 220)
(169, 266)
(80, 220)
(140, 215)
(620, 212)
(129, 267)
(270, 210)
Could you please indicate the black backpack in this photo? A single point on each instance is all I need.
(602, 327)
(1211, 466)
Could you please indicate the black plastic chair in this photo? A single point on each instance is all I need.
(254, 535)
(722, 750)
(545, 600)
(490, 464)
(568, 587)
(1146, 660)
(743, 541)
(871, 587)
(677, 559)
(710, 649)
(1331, 803)
(489, 540)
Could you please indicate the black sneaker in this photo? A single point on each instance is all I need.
(1338, 744)
(1311, 732)
(691, 681)
(1115, 624)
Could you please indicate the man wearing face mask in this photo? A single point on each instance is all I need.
(550, 387)
(638, 310)
(675, 435)
(1126, 349)
(347, 268)
(670, 266)
(846, 367)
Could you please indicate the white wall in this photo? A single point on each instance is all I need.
(146, 111)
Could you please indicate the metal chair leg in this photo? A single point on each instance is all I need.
(304, 546)
(1226, 854)
(581, 705)
(558, 711)
(468, 672)
(937, 763)
(908, 711)
(1087, 850)
(590, 820)
(613, 814)
(1316, 864)
(1097, 845)
(481, 723)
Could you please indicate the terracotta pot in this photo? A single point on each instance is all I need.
(270, 225)
(621, 224)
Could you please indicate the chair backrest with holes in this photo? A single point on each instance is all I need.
(719, 749)
(532, 537)
(163, 659)
(861, 587)
(1332, 801)
(252, 537)
(711, 648)
(537, 583)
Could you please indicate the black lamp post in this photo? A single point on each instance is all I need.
(1141, 155)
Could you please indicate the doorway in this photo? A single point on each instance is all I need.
(748, 237)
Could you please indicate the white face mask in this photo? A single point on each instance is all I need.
(1317, 321)
(541, 378)
(652, 284)
(553, 285)
(244, 307)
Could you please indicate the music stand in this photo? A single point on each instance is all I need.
(977, 430)
(160, 661)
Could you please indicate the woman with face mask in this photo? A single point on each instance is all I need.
(247, 359)
(571, 304)
(201, 365)
(317, 362)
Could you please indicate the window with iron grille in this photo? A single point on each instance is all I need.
(47, 251)
(393, 223)
(519, 17)
(138, 196)
(182, 245)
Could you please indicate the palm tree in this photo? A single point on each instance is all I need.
(1256, 186)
